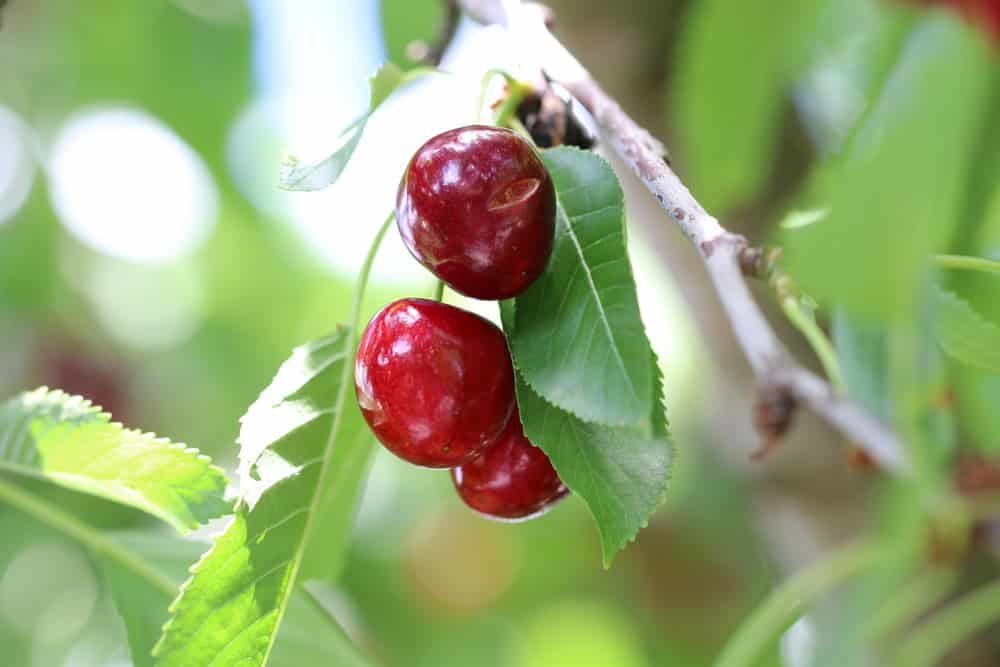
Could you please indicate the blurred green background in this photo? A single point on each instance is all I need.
(149, 263)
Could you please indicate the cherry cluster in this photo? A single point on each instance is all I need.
(435, 383)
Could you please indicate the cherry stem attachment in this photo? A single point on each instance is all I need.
(515, 93)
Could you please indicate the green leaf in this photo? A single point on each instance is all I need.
(577, 336)
(621, 473)
(311, 636)
(736, 55)
(304, 448)
(64, 439)
(889, 186)
(296, 176)
(964, 334)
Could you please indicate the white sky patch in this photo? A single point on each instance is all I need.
(310, 87)
(126, 185)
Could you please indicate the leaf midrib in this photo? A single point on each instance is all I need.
(345, 376)
(597, 297)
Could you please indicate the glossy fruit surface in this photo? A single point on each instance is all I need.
(434, 382)
(510, 480)
(476, 206)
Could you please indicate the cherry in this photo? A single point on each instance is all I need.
(476, 206)
(434, 382)
(512, 479)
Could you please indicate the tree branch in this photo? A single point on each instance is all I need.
(724, 253)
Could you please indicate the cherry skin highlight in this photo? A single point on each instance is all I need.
(511, 480)
(435, 383)
(476, 207)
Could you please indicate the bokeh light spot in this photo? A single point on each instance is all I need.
(578, 634)
(126, 185)
(48, 592)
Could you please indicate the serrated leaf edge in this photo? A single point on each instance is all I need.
(97, 414)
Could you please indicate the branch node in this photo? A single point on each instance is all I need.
(759, 261)
(774, 413)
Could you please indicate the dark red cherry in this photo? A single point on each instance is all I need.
(510, 480)
(434, 382)
(476, 206)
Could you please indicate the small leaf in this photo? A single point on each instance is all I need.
(319, 175)
(621, 473)
(304, 448)
(964, 334)
(577, 336)
(64, 439)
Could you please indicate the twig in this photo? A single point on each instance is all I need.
(724, 254)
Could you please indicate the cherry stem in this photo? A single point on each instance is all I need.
(515, 93)
(439, 291)
(366, 267)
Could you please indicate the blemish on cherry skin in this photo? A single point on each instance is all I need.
(476, 206)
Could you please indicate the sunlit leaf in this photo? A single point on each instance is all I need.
(304, 448)
(311, 636)
(319, 175)
(577, 336)
(64, 439)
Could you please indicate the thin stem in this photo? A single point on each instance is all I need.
(88, 536)
(362, 284)
(487, 77)
(932, 640)
(967, 263)
(820, 344)
(912, 600)
(789, 600)
(439, 291)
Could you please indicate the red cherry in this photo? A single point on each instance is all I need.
(512, 479)
(434, 382)
(476, 206)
